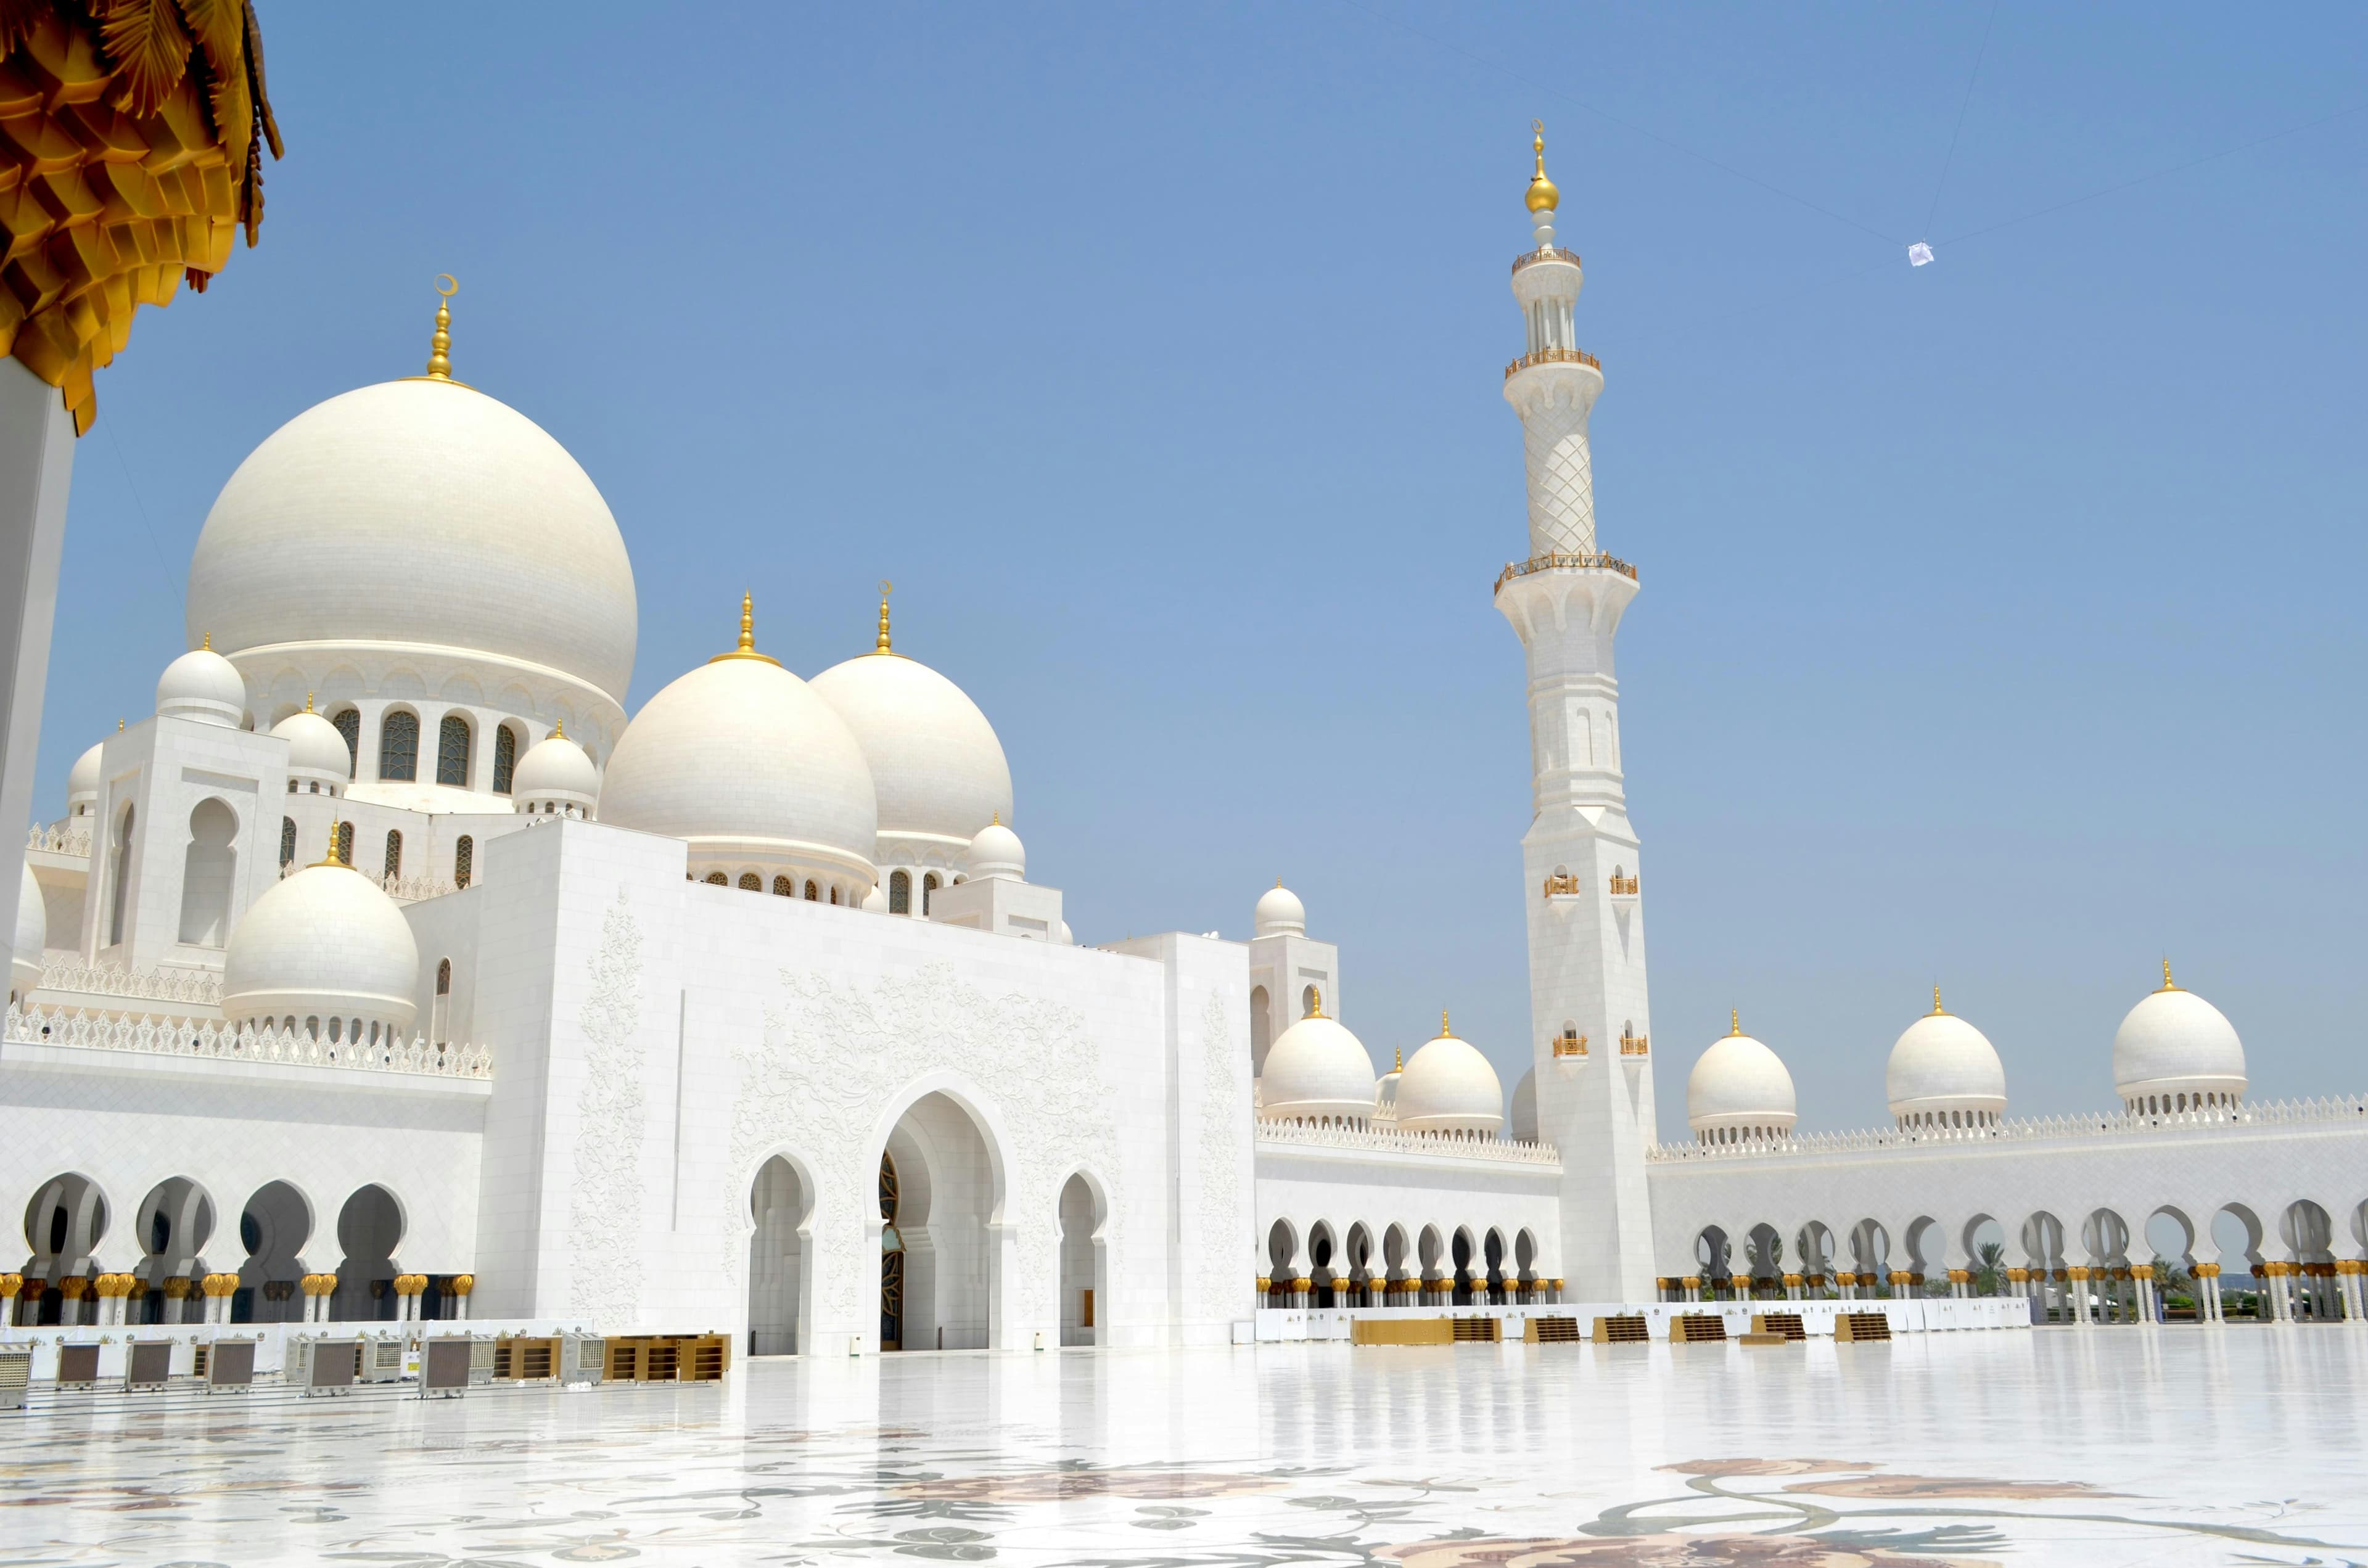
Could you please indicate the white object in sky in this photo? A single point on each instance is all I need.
(1919, 254)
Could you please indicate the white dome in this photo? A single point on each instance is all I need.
(1741, 1088)
(324, 943)
(1279, 913)
(424, 525)
(203, 686)
(935, 762)
(315, 750)
(556, 772)
(2175, 1043)
(1385, 1091)
(741, 759)
(1944, 1072)
(1524, 1124)
(997, 852)
(32, 936)
(1450, 1088)
(1316, 1069)
(83, 779)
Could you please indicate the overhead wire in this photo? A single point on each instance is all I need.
(1963, 104)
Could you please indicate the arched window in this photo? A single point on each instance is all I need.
(928, 886)
(464, 861)
(834, 895)
(452, 752)
(287, 841)
(717, 879)
(900, 893)
(394, 853)
(751, 882)
(505, 759)
(345, 842)
(122, 879)
(349, 723)
(784, 888)
(439, 1017)
(398, 746)
(207, 871)
(812, 892)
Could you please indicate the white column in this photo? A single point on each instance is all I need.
(36, 447)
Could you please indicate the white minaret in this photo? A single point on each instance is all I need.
(1589, 1029)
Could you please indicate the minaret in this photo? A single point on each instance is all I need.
(1590, 1031)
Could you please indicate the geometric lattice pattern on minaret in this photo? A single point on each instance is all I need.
(1561, 469)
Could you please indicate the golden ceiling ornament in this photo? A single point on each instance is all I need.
(131, 137)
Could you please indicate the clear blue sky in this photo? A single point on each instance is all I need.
(2000, 618)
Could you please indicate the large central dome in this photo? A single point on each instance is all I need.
(405, 522)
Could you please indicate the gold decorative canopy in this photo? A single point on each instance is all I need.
(1543, 197)
(131, 136)
(748, 648)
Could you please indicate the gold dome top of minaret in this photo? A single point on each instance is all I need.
(1543, 197)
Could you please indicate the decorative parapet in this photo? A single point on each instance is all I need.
(195, 987)
(209, 1040)
(1560, 561)
(1551, 356)
(42, 840)
(1392, 1141)
(411, 890)
(1545, 252)
(2352, 1109)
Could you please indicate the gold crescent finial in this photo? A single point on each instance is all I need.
(747, 648)
(886, 587)
(439, 347)
(1543, 196)
(332, 858)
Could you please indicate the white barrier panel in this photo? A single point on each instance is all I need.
(271, 1339)
(1938, 1314)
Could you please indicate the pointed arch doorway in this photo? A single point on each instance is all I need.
(891, 1259)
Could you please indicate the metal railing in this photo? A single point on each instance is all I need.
(1555, 560)
(1624, 887)
(1636, 1044)
(1543, 253)
(1552, 357)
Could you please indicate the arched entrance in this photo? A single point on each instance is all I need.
(1083, 1298)
(778, 1262)
(948, 1195)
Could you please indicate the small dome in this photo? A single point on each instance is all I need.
(1738, 1089)
(1316, 1071)
(2177, 1048)
(935, 760)
(1279, 913)
(82, 782)
(326, 944)
(1450, 1088)
(1067, 940)
(315, 750)
(997, 852)
(1385, 1091)
(1524, 1124)
(740, 759)
(1944, 1073)
(32, 936)
(556, 772)
(876, 901)
(203, 686)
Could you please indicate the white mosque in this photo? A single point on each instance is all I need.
(392, 971)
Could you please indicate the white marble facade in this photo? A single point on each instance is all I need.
(387, 950)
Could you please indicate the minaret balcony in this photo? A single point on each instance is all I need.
(1554, 357)
(1634, 1044)
(1625, 888)
(1545, 254)
(1570, 1045)
(1558, 561)
(1563, 885)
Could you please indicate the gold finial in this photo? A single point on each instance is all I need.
(2168, 984)
(1398, 1065)
(1734, 1022)
(1278, 881)
(886, 587)
(440, 348)
(118, 726)
(1938, 1010)
(308, 702)
(558, 730)
(332, 858)
(995, 818)
(1315, 1001)
(1543, 197)
(206, 644)
(748, 648)
(1444, 1032)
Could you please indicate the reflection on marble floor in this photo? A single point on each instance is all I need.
(2245, 1445)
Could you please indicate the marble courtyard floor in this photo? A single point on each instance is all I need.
(2179, 1445)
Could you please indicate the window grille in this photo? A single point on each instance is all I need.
(812, 892)
(398, 747)
(349, 724)
(452, 752)
(751, 882)
(287, 840)
(394, 853)
(464, 861)
(717, 879)
(784, 888)
(900, 893)
(505, 759)
(345, 842)
(928, 886)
